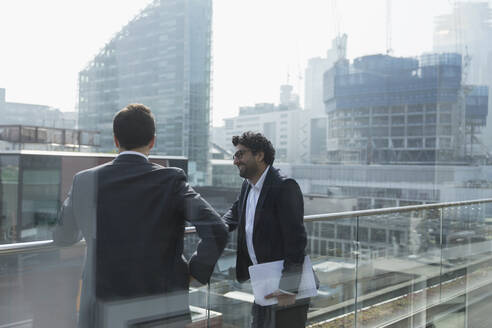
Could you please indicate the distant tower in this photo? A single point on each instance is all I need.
(288, 99)
(314, 127)
(285, 94)
(313, 88)
(467, 30)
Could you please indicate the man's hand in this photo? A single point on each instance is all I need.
(194, 282)
(283, 298)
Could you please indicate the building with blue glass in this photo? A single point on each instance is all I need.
(384, 109)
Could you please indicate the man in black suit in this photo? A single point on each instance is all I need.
(269, 216)
(132, 214)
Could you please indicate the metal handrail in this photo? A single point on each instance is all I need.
(391, 210)
(47, 245)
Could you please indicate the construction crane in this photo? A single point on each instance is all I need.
(389, 49)
(340, 44)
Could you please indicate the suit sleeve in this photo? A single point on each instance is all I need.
(290, 207)
(209, 226)
(66, 231)
(231, 218)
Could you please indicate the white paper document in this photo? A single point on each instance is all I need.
(265, 279)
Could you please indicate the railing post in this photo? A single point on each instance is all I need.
(356, 253)
(471, 219)
(208, 305)
(442, 246)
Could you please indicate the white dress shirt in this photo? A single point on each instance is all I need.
(251, 202)
(131, 152)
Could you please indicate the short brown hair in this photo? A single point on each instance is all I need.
(134, 126)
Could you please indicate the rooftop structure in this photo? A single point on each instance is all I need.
(19, 137)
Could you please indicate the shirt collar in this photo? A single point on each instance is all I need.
(131, 152)
(261, 180)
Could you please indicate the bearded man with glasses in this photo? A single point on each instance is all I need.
(269, 217)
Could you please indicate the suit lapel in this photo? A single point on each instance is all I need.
(242, 215)
(261, 200)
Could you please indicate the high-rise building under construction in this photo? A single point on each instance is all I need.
(384, 109)
(162, 59)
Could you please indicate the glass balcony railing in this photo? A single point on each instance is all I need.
(414, 266)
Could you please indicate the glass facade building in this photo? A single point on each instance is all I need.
(162, 59)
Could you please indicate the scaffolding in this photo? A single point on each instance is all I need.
(384, 109)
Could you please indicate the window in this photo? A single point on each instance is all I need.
(415, 119)
(398, 131)
(378, 235)
(414, 143)
(343, 232)
(398, 120)
(327, 230)
(430, 142)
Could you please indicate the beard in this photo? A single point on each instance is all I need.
(246, 171)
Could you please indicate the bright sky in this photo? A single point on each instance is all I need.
(44, 44)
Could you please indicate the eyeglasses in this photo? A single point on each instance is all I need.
(239, 154)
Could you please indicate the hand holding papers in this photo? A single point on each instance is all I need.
(282, 298)
(265, 279)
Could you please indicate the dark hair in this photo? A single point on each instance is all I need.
(256, 142)
(134, 126)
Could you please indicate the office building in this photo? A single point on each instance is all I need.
(379, 186)
(162, 59)
(279, 123)
(314, 124)
(219, 137)
(15, 113)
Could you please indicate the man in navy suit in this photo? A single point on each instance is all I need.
(269, 217)
(132, 214)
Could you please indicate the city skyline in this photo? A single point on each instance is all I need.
(251, 61)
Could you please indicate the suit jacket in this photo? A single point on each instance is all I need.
(132, 215)
(278, 229)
